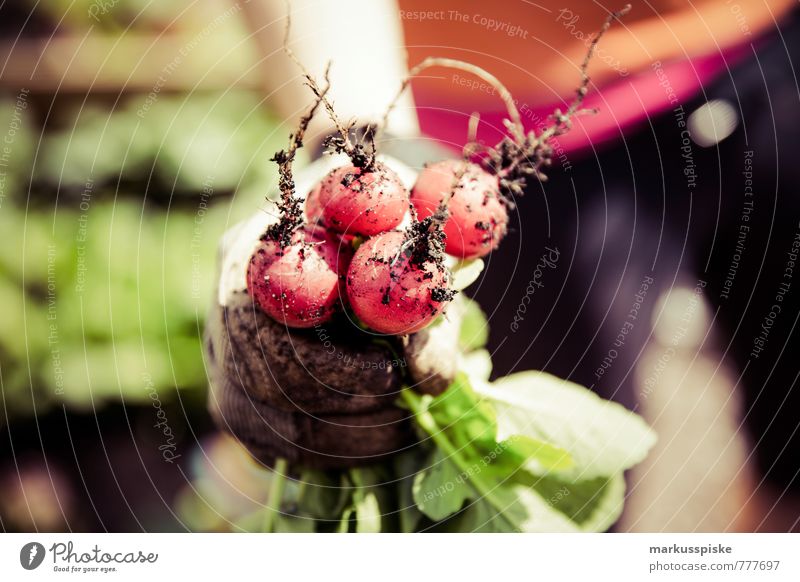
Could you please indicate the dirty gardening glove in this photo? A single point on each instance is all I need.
(322, 397)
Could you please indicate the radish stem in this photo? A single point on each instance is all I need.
(425, 419)
(504, 94)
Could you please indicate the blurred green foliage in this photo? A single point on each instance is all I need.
(116, 15)
(113, 228)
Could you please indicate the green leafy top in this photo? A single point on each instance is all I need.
(601, 436)
(527, 453)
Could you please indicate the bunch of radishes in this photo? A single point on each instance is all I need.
(350, 252)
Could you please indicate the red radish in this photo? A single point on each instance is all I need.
(359, 202)
(314, 216)
(478, 216)
(392, 289)
(298, 284)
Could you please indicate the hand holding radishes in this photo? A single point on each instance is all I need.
(323, 395)
(360, 274)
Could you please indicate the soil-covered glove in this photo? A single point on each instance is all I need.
(322, 397)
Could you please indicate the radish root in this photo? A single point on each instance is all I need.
(519, 155)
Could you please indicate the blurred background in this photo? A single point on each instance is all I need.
(118, 181)
(134, 134)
